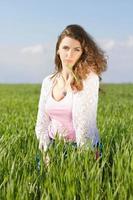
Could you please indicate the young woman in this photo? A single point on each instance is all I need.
(69, 97)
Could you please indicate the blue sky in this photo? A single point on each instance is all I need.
(29, 31)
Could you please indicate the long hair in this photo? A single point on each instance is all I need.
(91, 59)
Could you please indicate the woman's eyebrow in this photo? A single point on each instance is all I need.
(68, 46)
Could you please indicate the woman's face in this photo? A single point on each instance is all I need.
(69, 51)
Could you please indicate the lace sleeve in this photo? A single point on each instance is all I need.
(43, 120)
(85, 111)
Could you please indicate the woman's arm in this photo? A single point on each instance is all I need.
(43, 119)
(85, 111)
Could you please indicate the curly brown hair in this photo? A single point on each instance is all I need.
(92, 58)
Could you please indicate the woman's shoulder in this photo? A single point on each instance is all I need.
(91, 82)
(47, 79)
(92, 77)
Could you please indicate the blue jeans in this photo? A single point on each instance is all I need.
(97, 148)
(73, 144)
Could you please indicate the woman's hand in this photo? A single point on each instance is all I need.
(41, 146)
(46, 159)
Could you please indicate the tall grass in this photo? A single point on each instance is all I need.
(79, 176)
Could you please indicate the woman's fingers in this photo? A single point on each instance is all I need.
(46, 160)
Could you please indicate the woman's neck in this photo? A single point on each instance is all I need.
(66, 75)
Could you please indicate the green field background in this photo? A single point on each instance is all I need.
(79, 176)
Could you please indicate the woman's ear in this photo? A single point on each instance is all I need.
(58, 52)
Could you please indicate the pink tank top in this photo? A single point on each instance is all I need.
(60, 113)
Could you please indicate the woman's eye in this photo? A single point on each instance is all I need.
(65, 47)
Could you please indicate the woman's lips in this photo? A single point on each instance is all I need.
(68, 60)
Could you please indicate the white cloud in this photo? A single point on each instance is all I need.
(35, 49)
(129, 42)
(110, 44)
(107, 44)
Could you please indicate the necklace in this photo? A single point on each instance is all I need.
(64, 92)
(58, 82)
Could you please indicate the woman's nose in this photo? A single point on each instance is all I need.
(70, 54)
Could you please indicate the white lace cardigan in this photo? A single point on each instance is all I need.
(84, 113)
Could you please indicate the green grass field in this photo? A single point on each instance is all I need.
(78, 176)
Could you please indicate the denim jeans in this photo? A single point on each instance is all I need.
(73, 144)
(96, 148)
